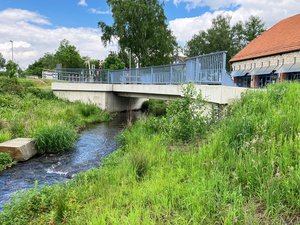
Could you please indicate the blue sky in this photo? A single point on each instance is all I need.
(69, 13)
(37, 26)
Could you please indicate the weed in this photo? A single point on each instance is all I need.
(54, 138)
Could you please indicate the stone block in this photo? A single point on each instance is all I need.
(20, 149)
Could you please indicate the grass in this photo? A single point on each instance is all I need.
(245, 170)
(5, 161)
(28, 108)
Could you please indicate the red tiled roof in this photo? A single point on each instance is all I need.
(282, 37)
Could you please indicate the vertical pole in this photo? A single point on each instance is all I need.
(171, 73)
(224, 67)
(12, 50)
(108, 76)
(152, 75)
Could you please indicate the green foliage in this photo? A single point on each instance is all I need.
(141, 26)
(5, 160)
(245, 171)
(68, 55)
(253, 28)
(184, 120)
(222, 36)
(10, 86)
(113, 62)
(12, 69)
(2, 61)
(54, 138)
(155, 107)
(28, 107)
(48, 61)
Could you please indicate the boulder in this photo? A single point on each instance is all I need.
(20, 149)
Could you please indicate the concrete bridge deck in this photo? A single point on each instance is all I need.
(120, 97)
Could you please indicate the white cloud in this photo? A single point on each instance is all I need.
(215, 4)
(32, 39)
(270, 11)
(99, 12)
(82, 3)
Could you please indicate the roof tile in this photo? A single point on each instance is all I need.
(282, 37)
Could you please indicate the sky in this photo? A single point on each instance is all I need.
(37, 26)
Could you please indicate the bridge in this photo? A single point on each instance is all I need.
(126, 89)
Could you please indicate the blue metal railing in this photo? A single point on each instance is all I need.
(204, 69)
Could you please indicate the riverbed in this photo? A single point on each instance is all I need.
(93, 145)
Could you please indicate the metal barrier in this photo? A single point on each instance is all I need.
(204, 69)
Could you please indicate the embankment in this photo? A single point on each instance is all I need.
(178, 169)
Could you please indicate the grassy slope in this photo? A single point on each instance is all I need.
(247, 171)
(27, 105)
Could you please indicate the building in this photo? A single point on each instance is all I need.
(273, 56)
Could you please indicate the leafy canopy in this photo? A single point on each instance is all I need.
(48, 61)
(222, 36)
(68, 55)
(113, 62)
(140, 26)
(2, 61)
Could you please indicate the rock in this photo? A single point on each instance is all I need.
(20, 149)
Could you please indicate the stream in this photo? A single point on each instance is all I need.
(94, 144)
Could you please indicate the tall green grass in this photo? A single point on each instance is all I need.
(29, 109)
(5, 161)
(246, 170)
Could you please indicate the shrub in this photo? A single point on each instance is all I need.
(40, 93)
(10, 85)
(185, 118)
(55, 138)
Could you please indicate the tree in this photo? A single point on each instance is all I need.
(217, 38)
(2, 61)
(12, 69)
(253, 28)
(113, 62)
(141, 26)
(221, 36)
(48, 61)
(68, 55)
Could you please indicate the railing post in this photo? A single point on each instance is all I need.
(136, 75)
(151, 75)
(224, 67)
(171, 70)
(108, 76)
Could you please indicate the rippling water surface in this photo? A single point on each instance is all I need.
(94, 143)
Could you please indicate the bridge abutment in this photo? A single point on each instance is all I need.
(108, 101)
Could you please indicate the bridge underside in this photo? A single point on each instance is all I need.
(121, 97)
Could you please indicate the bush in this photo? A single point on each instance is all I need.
(185, 118)
(11, 86)
(55, 138)
(40, 93)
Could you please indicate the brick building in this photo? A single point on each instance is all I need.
(273, 56)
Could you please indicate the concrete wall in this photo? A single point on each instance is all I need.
(120, 97)
(105, 100)
(286, 58)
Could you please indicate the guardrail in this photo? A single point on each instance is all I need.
(205, 69)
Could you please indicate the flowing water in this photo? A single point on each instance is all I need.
(93, 145)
